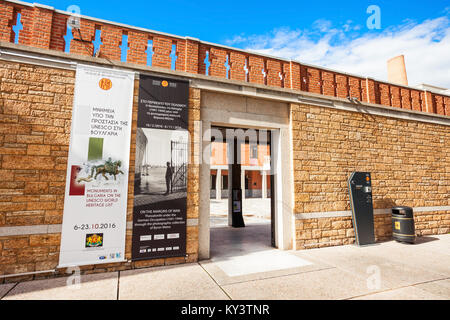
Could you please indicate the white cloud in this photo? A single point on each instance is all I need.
(426, 47)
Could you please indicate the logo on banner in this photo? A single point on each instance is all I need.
(105, 84)
(94, 240)
(164, 83)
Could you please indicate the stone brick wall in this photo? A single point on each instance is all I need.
(35, 119)
(408, 161)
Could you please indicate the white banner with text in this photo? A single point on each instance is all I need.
(95, 203)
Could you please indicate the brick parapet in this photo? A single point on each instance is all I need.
(45, 28)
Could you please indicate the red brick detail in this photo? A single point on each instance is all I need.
(192, 56)
(370, 94)
(447, 106)
(237, 63)
(273, 73)
(218, 58)
(202, 52)
(439, 103)
(406, 98)
(180, 62)
(355, 87)
(416, 100)
(27, 19)
(44, 28)
(342, 88)
(111, 41)
(385, 95)
(137, 46)
(446, 102)
(59, 30)
(296, 81)
(162, 48)
(255, 67)
(8, 18)
(37, 27)
(313, 83)
(395, 97)
(328, 84)
(287, 78)
(428, 105)
(87, 32)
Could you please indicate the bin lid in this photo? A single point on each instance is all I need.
(403, 210)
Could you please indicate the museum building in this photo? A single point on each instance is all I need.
(321, 124)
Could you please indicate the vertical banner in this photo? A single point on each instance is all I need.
(159, 214)
(95, 203)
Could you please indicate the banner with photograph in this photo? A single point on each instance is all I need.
(95, 203)
(160, 185)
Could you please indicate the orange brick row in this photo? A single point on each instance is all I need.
(45, 28)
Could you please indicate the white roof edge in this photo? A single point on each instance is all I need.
(123, 25)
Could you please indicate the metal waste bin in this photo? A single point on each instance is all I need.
(403, 228)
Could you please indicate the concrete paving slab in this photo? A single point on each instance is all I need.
(182, 282)
(262, 265)
(4, 288)
(440, 288)
(366, 261)
(324, 285)
(229, 242)
(408, 293)
(261, 261)
(91, 287)
(430, 253)
(245, 254)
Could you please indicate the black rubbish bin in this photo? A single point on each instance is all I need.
(403, 228)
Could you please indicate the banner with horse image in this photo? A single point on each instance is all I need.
(95, 203)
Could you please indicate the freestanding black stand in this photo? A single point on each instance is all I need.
(360, 190)
(237, 217)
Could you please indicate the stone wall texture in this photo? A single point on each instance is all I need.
(408, 160)
(35, 120)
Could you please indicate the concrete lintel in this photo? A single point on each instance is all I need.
(348, 213)
(29, 230)
(43, 6)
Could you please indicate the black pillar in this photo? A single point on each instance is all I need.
(237, 220)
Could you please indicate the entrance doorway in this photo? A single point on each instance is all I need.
(241, 193)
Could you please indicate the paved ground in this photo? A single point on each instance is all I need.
(255, 211)
(244, 266)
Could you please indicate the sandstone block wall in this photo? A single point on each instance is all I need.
(409, 162)
(35, 120)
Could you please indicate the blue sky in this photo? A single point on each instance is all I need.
(326, 33)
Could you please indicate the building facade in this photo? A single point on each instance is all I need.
(255, 161)
(325, 124)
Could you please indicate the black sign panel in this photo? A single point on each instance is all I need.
(160, 198)
(360, 189)
(163, 103)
